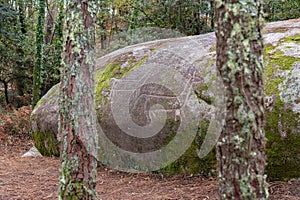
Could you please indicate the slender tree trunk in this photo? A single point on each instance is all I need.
(58, 32)
(5, 83)
(241, 148)
(212, 14)
(103, 24)
(50, 21)
(22, 17)
(18, 71)
(77, 110)
(37, 78)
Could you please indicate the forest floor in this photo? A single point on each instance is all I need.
(37, 178)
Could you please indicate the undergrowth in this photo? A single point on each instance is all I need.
(15, 122)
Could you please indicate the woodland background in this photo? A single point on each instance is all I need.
(31, 45)
(30, 50)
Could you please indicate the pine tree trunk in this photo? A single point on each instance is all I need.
(37, 70)
(58, 32)
(6, 91)
(50, 21)
(241, 146)
(19, 70)
(77, 110)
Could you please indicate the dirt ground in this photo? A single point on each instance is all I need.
(37, 178)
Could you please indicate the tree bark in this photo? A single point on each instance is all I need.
(37, 70)
(77, 111)
(5, 83)
(19, 69)
(58, 32)
(241, 146)
(50, 21)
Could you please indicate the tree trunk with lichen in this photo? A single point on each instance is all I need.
(77, 125)
(37, 70)
(241, 146)
(51, 15)
(58, 32)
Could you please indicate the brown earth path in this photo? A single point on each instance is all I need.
(37, 178)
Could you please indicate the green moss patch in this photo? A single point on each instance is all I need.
(113, 70)
(282, 150)
(276, 61)
(283, 143)
(51, 96)
(213, 48)
(294, 38)
(40, 102)
(189, 162)
(46, 143)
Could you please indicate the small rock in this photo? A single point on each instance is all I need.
(33, 152)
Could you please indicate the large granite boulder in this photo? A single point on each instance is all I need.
(156, 105)
(44, 123)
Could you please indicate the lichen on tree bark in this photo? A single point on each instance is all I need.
(241, 146)
(77, 125)
(37, 70)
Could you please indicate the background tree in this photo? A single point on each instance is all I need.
(52, 46)
(16, 58)
(7, 14)
(18, 71)
(37, 70)
(121, 23)
(19, 53)
(281, 9)
(241, 146)
(124, 23)
(58, 40)
(77, 110)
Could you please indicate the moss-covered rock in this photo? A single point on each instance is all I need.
(44, 123)
(192, 58)
(282, 89)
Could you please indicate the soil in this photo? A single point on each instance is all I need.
(37, 178)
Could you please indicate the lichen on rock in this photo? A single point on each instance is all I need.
(281, 78)
(44, 123)
(282, 115)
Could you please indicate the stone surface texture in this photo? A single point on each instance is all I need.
(148, 70)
